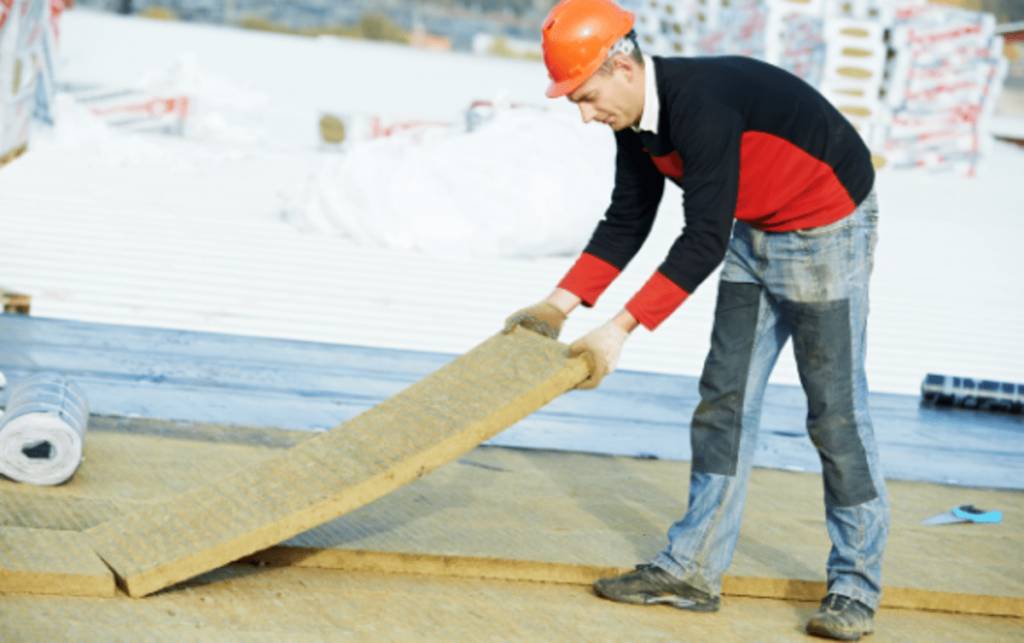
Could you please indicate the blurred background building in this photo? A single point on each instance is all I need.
(508, 27)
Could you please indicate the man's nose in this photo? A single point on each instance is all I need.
(587, 112)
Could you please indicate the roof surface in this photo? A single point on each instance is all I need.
(206, 377)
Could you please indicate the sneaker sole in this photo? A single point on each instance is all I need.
(821, 631)
(679, 602)
(671, 600)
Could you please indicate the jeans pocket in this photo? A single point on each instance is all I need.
(824, 230)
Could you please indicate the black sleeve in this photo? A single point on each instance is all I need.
(707, 137)
(635, 198)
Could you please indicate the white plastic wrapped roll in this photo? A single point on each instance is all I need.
(42, 433)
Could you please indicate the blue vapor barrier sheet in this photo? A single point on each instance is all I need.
(252, 381)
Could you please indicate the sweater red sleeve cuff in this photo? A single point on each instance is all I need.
(658, 299)
(588, 278)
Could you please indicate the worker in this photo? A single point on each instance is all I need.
(778, 185)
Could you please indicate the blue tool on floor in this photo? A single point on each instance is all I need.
(965, 513)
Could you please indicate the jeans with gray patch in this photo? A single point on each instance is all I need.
(811, 286)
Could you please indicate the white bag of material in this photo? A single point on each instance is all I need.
(42, 431)
(465, 194)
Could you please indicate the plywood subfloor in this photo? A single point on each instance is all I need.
(275, 604)
(552, 516)
(428, 424)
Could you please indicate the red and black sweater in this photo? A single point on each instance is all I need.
(744, 140)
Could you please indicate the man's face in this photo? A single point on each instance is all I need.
(610, 97)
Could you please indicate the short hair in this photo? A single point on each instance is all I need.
(626, 45)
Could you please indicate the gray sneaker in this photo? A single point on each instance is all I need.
(650, 585)
(841, 617)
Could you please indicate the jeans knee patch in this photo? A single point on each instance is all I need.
(822, 342)
(716, 426)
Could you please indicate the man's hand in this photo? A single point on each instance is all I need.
(602, 347)
(545, 317)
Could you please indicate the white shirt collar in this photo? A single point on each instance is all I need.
(652, 108)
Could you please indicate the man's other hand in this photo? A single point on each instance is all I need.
(601, 347)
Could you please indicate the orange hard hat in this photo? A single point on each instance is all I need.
(576, 36)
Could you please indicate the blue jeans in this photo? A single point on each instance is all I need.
(811, 286)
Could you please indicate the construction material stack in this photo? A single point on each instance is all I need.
(946, 71)
(794, 38)
(665, 27)
(733, 27)
(918, 81)
(692, 27)
(17, 84)
(28, 34)
(855, 63)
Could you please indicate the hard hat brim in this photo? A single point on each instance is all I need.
(569, 85)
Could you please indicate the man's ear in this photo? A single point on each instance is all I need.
(625, 64)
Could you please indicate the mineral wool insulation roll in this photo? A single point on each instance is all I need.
(43, 430)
